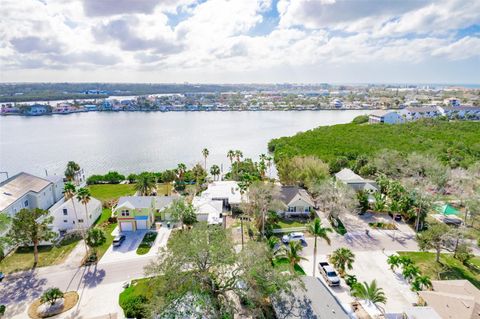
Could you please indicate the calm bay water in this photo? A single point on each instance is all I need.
(135, 142)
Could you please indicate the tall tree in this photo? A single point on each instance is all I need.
(84, 196)
(71, 170)
(95, 238)
(292, 253)
(205, 154)
(231, 156)
(182, 211)
(342, 259)
(69, 191)
(318, 231)
(434, 238)
(4, 240)
(168, 177)
(215, 171)
(146, 184)
(30, 227)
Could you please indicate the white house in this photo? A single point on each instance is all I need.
(208, 210)
(384, 116)
(72, 215)
(415, 113)
(28, 191)
(358, 183)
(296, 201)
(460, 111)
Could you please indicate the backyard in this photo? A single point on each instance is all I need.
(106, 192)
(22, 258)
(448, 268)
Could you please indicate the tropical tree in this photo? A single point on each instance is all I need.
(95, 238)
(369, 292)
(410, 272)
(291, 252)
(394, 261)
(168, 177)
(30, 227)
(215, 171)
(146, 184)
(4, 241)
(51, 295)
(231, 156)
(182, 211)
(421, 282)
(318, 231)
(71, 170)
(342, 259)
(362, 197)
(84, 196)
(69, 191)
(405, 261)
(380, 202)
(181, 170)
(205, 154)
(238, 155)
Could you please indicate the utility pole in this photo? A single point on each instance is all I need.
(241, 228)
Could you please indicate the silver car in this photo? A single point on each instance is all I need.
(294, 237)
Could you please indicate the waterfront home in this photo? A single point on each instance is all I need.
(28, 191)
(64, 108)
(72, 215)
(37, 109)
(415, 113)
(452, 102)
(138, 212)
(384, 116)
(228, 192)
(296, 202)
(9, 109)
(469, 112)
(358, 183)
(90, 107)
(336, 103)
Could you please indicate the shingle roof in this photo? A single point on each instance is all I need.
(163, 201)
(17, 186)
(137, 201)
(288, 193)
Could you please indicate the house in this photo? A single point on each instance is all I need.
(7, 109)
(358, 183)
(415, 113)
(383, 116)
(313, 300)
(72, 215)
(452, 102)
(228, 192)
(138, 212)
(208, 210)
(296, 201)
(460, 111)
(28, 191)
(458, 299)
(90, 107)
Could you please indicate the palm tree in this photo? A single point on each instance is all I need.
(168, 177)
(71, 170)
(231, 156)
(205, 154)
(342, 259)
(394, 261)
(421, 282)
(238, 155)
(145, 184)
(292, 254)
(411, 271)
(369, 292)
(215, 171)
(69, 191)
(317, 230)
(269, 165)
(84, 196)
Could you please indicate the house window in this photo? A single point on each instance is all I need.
(26, 203)
(125, 213)
(292, 209)
(65, 221)
(307, 209)
(80, 220)
(65, 211)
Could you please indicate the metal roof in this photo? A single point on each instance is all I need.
(17, 186)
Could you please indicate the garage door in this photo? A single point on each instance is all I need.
(141, 224)
(126, 226)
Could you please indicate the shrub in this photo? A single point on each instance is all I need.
(360, 119)
(135, 307)
(351, 280)
(51, 295)
(2, 309)
(464, 253)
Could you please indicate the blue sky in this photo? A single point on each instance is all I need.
(232, 41)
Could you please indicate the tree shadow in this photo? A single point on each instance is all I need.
(93, 277)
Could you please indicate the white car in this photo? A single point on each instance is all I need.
(293, 237)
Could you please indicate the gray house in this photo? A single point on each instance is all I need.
(296, 201)
(358, 183)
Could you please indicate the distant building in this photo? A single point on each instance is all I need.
(90, 107)
(415, 113)
(37, 109)
(337, 103)
(8, 109)
(452, 102)
(358, 183)
(388, 117)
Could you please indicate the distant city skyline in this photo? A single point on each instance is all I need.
(241, 41)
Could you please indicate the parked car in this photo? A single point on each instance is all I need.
(118, 240)
(294, 237)
(1, 276)
(329, 274)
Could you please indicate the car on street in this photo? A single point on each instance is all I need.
(1, 276)
(296, 236)
(118, 240)
(329, 274)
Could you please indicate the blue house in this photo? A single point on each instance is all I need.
(37, 109)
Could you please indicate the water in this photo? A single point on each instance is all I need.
(137, 141)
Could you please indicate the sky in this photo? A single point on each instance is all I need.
(240, 41)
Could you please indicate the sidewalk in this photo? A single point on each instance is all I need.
(75, 258)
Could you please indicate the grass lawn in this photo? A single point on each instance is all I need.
(22, 258)
(106, 213)
(146, 243)
(105, 192)
(164, 189)
(139, 290)
(283, 264)
(290, 224)
(107, 228)
(449, 267)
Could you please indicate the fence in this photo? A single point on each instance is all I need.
(289, 230)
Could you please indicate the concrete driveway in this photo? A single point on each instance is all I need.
(367, 267)
(128, 249)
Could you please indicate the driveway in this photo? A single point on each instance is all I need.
(367, 267)
(128, 249)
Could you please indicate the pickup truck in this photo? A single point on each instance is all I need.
(329, 274)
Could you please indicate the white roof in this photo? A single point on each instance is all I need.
(224, 190)
(347, 174)
(206, 206)
(79, 207)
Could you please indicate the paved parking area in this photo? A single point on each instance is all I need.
(128, 249)
(367, 267)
